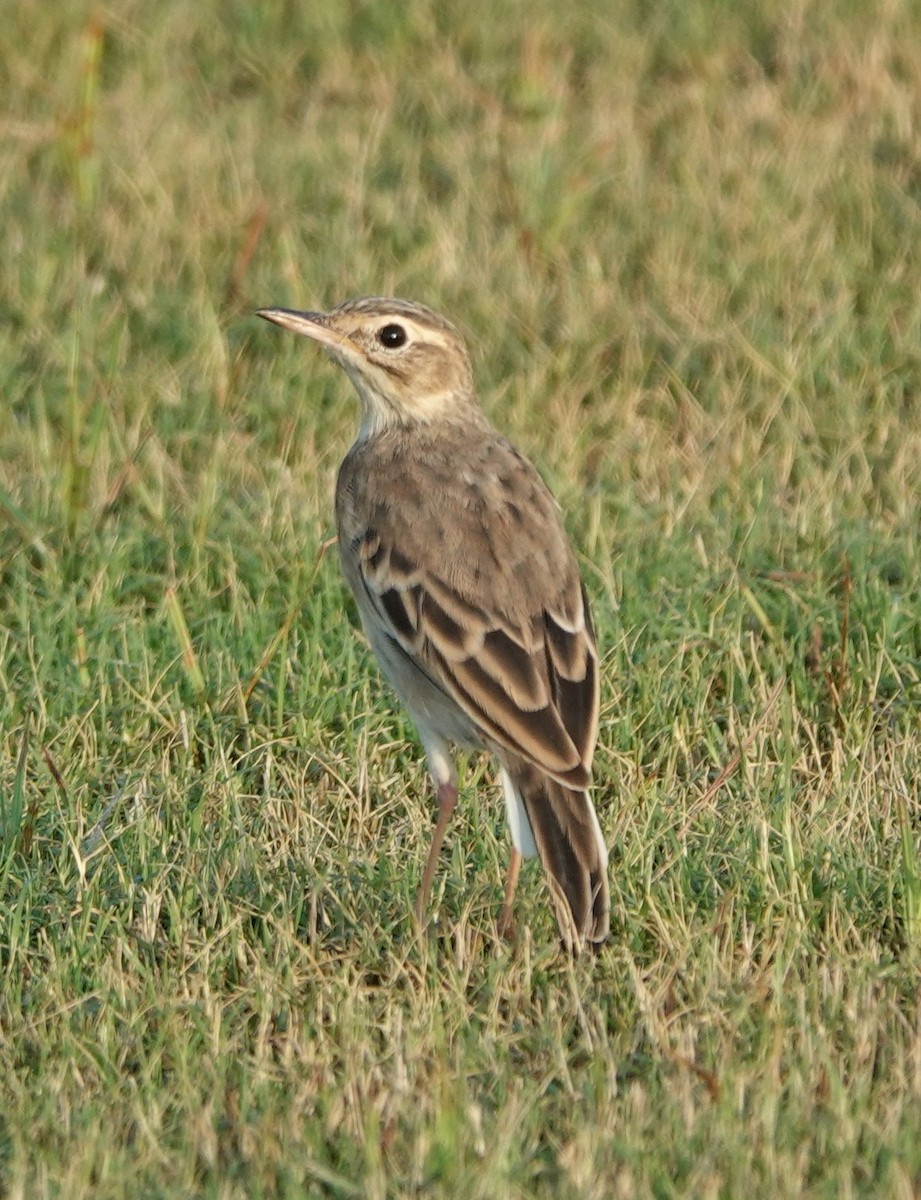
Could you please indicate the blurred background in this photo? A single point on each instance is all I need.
(681, 239)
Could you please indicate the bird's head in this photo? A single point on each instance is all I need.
(409, 365)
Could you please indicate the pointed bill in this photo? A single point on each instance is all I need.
(311, 324)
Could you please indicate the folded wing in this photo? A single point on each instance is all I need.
(524, 668)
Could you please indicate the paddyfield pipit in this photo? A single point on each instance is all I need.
(469, 594)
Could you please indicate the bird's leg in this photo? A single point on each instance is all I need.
(506, 923)
(447, 798)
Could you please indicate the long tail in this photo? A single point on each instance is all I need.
(568, 839)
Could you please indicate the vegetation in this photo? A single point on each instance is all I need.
(684, 242)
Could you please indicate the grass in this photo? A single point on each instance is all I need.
(684, 243)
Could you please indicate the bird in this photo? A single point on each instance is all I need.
(470, 596)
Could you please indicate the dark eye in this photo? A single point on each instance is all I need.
(392, 336)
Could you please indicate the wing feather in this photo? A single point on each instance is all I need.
(533, 691)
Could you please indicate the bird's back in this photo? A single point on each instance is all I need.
(466, 506)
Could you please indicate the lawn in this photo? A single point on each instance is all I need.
(684, 243)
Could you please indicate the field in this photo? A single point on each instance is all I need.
(684, 243)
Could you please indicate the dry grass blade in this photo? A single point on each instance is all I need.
(727, 772)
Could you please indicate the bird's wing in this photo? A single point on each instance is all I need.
(501, 625)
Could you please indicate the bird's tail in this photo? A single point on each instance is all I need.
(568, 839)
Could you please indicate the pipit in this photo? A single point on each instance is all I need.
(469, 594)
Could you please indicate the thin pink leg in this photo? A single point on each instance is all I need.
(447, 798)
(506, 922)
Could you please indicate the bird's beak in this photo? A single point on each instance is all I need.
(314, 325)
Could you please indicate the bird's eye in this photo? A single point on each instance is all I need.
(392, 336)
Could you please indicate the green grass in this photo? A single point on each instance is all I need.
(685, 244)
